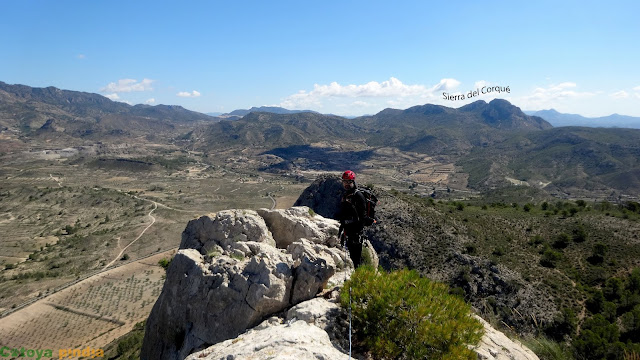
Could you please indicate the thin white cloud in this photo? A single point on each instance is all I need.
(392, 88)
(480, 84)
(192, 94)
(150, 101)
(637, 88)
(620, 94)
(128, 85)
(360, 103)
(561, 96)
(81, 56)
(113, 96)
(555, 92)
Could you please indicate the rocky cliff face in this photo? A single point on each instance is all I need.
(245, 285)
(235, 269)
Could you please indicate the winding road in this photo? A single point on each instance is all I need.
(153, 220)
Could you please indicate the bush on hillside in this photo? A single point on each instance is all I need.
(562, 241)
(550, 258)
(401, 315)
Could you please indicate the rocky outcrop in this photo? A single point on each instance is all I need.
(323, 196)
(236, 268)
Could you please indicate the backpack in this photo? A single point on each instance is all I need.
(370, 205)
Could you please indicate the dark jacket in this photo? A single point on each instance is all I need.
(353, 211)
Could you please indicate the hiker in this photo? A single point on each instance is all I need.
(352, 217)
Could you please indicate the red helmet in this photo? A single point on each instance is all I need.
(349, 175)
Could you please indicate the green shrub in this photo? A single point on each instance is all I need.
(633, 283)
(164, 263)
(237, 256)
(599, 339)
(579, 235)
(127, 347)
(599, 251)
(562, 241)
(537, 240)
(549, 258)
(421, 319)
(564, 324)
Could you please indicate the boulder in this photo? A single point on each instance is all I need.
(224, 229)
(232, 272)
(300, 222)
(323, 196)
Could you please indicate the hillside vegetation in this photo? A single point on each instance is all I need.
(578, 161)
(563, 270)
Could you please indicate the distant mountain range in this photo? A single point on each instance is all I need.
(427, 128)
(492, 142)
(269, 109)
(238, 114)
(43, 111)
(560, 119)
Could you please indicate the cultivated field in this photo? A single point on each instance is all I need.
(92, 312)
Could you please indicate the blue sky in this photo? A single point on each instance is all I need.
(341, 57)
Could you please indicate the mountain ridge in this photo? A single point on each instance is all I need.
(564, 119)
(75, 114)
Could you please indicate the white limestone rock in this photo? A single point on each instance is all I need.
(317, 312)
(295, 341)
(297, 222)
(224, 229)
